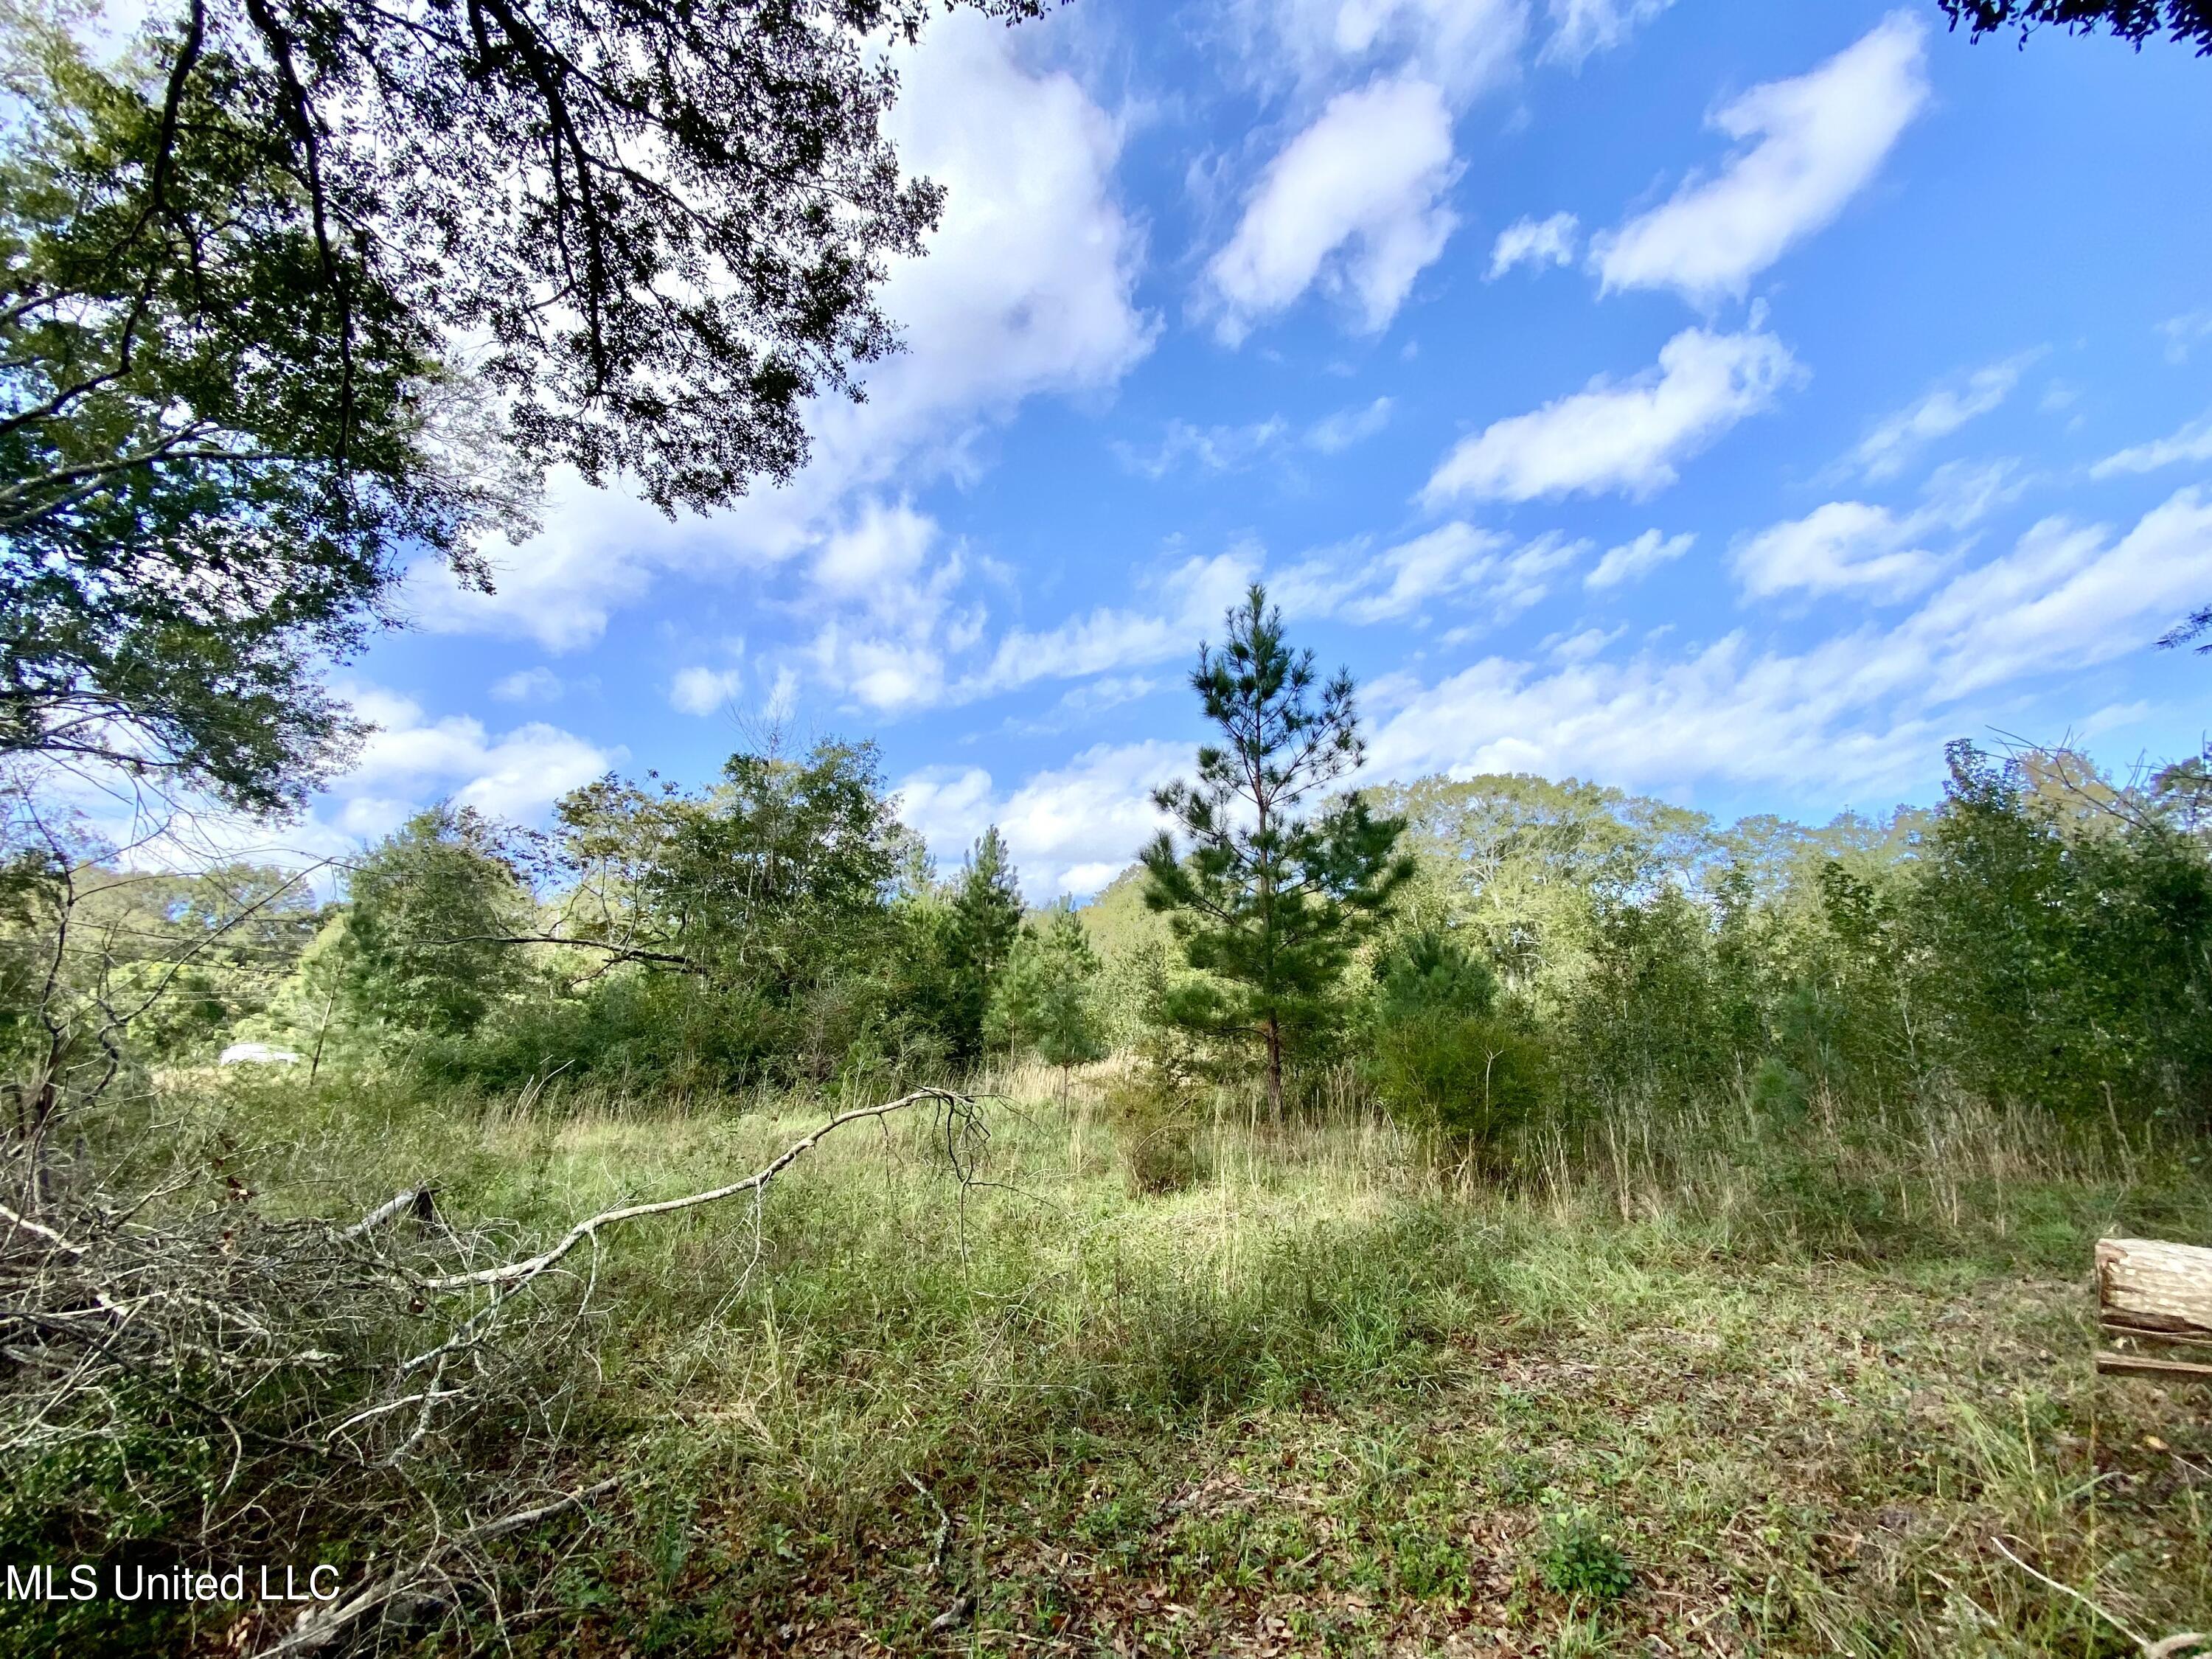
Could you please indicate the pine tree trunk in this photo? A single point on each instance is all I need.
(1274, 1071)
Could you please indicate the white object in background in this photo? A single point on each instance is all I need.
(256, 1054)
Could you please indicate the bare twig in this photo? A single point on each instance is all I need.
(2166, 1647)
(321, 1629)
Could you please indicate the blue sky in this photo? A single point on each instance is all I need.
(1728, 401)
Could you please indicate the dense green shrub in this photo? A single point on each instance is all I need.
(1440, 1053)
(1473, 1077)
(1646, 1018)
(432, 907)
(2063, 959)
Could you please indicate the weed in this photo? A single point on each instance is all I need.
(1580, 1560)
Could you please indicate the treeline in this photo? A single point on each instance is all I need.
(1544, 951)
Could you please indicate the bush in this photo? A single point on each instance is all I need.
(1156, 1131)
(1474, 1079)
(1440, 1054)
(1647, 1019)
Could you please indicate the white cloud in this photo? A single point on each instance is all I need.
(529, 685)
(2193, 442)
(1457, 562)
(1070, 830)
(1722, 714)
(1851, 547)
(1841, 547)
(1862, 710)
(895, 623)
(1210, 448)
(412, 761)
(1819, 139)
(1109, 639)
(1535, 242)
(598, 552)
(1446, 560)
(1580, 27)
(1354, 203)
(1582, 646)
(1627, 436)
(1027, 290)
(1339, 432)
(1633, 559)
(2184, 332)
(702, 690)
(1462, 45)
(782, 697)
(875, 559)
(885, 673)
(2063, 599)
(1883, 451)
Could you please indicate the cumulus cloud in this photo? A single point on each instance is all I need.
(895, 623)
(1460, 563)
(1627, 435)
(598, 552)
(1942, 410)
(1071, 830)
(1875, 552)
(2193, 442)
(1461, 45)
(1535, 242)
(1840, 547)
(1809, 145)
(1110, 638)
(1354, 203)
(876, 558)
(1400, 580)
(411, 760)
(702, 690)
(1632, 561)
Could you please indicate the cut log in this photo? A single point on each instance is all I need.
(2148, 1288)
(2134, 1365)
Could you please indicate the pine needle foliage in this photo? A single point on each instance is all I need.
(1282, 880)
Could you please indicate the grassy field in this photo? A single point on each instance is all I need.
(1796, 1397)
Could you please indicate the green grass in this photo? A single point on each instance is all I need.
(1765, 1391)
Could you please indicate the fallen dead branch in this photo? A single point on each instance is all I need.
(331, 1369)
(320, 1630)
(512, 1275)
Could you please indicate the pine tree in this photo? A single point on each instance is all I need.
(987, 917)
(1047, 1000)
(1271, 898)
